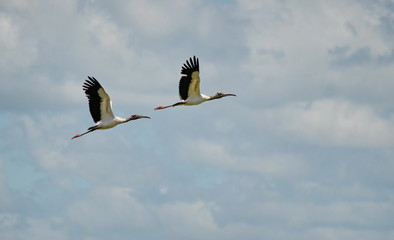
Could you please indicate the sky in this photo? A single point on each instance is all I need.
(305, 150)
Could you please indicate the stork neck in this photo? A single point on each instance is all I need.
(213, 97)
(205, 97)
(128, 119)
(121, 120)
(220, 95)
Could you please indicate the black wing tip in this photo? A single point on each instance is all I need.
(190, 66)
(91, 83)
(92, 80)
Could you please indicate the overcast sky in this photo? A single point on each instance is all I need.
(305, 150)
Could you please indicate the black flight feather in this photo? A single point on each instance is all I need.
(91, 88)
(188, 68)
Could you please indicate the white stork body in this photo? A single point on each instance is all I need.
(189, 86)
(110, 123)
(100, 107)
(196, 99)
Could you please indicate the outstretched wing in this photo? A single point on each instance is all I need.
(100, 104)
(189, 85)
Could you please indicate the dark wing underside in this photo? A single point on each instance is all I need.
(188, 68)
(91, 88)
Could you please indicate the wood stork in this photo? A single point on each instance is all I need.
(189, 86)
(100, 107)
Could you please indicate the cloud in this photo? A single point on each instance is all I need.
(333, 123)
(116, 204)
(306, 37)
(4, 191)
(303, 151)
(183, 218)
(18, 50)
(212, 153)
(35, 228)
(360, 57)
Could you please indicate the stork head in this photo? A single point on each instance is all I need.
(220, 95)
(134, 117)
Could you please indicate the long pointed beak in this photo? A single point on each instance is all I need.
(141, 116)
(76, 136)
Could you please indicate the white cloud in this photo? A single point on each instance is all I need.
(35, 228)
(333, 123)
(290, 45)
(359, 214)
(313, 28)
(306, 74)
(214, 154)
(158, 19)
(18, 50)
(182, 219)
(4, 192)
(341, 232)
(110, 209)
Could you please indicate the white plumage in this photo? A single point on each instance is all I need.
(189, 86)
(100, 107)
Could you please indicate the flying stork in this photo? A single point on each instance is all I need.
(189, 86)
(100, 107)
